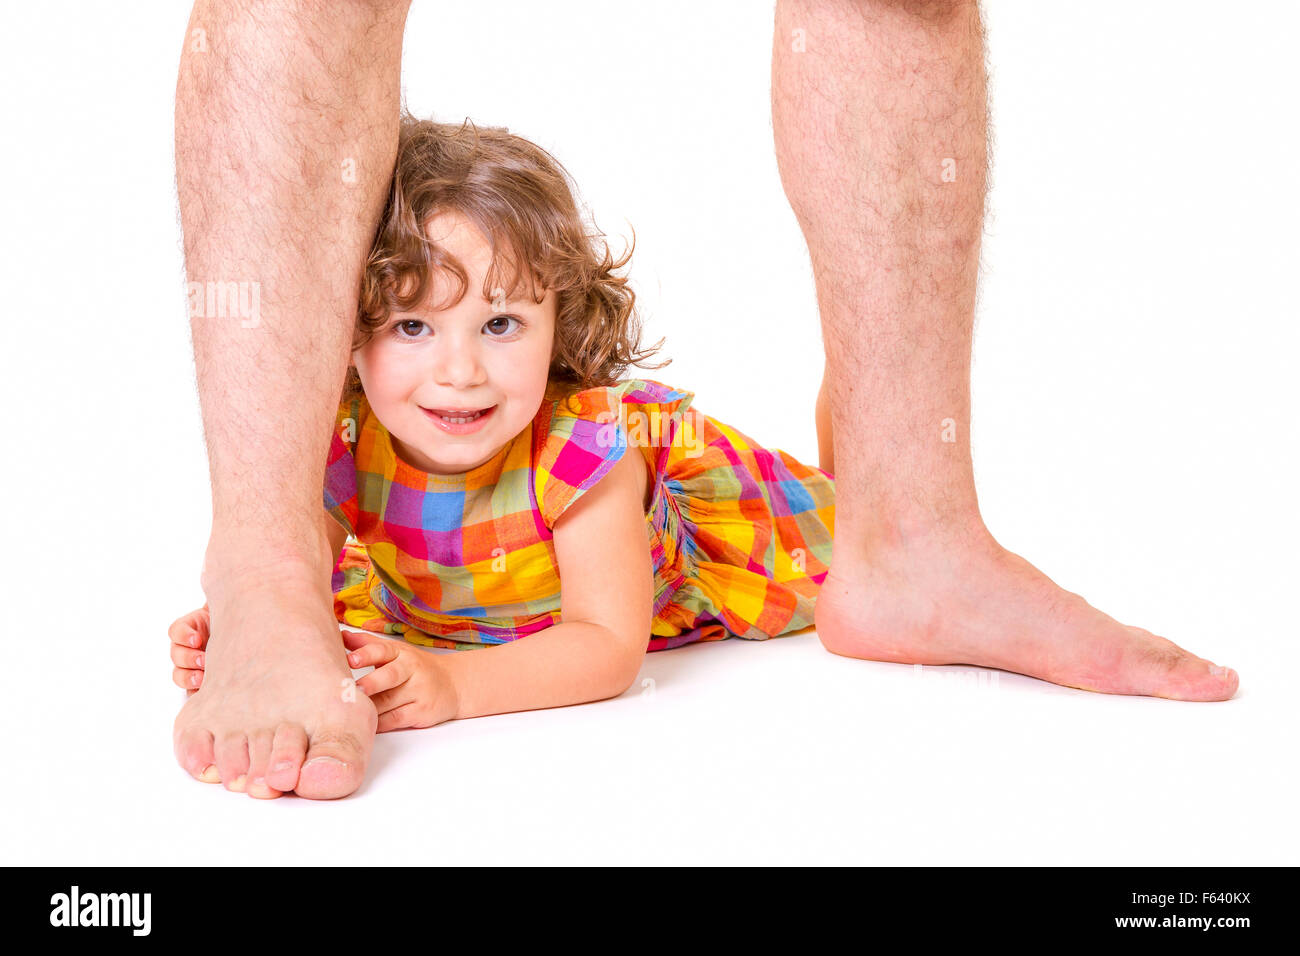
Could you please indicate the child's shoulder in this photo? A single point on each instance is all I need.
(588, 430)
(590, 404)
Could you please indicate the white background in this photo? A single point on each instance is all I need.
(1135, 436)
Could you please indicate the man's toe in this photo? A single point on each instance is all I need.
(288, 750)
(335, 766)
(194, 752)
(232, 761)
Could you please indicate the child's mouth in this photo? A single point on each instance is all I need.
(459, 421)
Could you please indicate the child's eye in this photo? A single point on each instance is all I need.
(409, 328)
(500, 326)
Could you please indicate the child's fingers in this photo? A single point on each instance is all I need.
(353, 640)
(384, 678)
(182, 631)
(397, 718)
(190, 630)
(374, 654)
(183, 656)
(399, 700)
(187, 678)
(386, 700)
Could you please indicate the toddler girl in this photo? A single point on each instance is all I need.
(493, 479)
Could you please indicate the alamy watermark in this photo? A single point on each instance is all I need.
(977, 679)
(222, 299)
(654, 429)
(75, 908)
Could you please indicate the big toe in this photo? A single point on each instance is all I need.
(1195, 678)
(1210, 682)
(335, 764)
(1178, 674)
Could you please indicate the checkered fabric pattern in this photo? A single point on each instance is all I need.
(740, 536)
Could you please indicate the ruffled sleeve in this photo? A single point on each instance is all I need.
(341, 465)
(590, 430)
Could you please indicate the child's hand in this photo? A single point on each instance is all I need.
(408, 687)
(189, 636)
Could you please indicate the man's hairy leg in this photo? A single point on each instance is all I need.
(879, 112)
(286, 134)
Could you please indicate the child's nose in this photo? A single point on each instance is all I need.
(458, 366)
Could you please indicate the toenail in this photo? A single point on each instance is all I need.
(1218, 671)
(259, 782)
(283, 765)
(198, 660)
(209, 774)
(322, 759)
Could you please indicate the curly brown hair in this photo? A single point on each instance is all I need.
(521, 198)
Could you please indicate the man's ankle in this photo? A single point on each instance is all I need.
(241, 561)
(883, 539)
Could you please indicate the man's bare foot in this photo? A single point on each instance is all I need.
(968, 600)
(277, 710)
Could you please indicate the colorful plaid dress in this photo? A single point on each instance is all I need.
(740, 536)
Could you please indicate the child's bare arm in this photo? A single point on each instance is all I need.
(606, 599)
(594, 653)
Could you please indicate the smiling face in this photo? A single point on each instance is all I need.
(453, 386)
